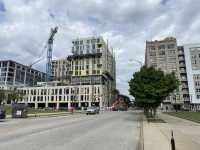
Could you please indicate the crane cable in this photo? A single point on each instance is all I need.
(39, 56)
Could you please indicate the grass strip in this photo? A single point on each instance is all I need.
(192, 116)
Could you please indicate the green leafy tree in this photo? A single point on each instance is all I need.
(15, 95)
(150, 87)
(10, 96)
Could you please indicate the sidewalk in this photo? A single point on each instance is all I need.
(157, 136)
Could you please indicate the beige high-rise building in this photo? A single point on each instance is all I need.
(163, 55)
(93, 63)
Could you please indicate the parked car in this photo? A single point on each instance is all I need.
(2, 113)
(123, 109)
(115, 109)
(92, 110)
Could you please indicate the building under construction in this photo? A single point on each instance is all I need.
(14, 74)
(86, 77)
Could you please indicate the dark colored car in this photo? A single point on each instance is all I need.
(2, 113)
(92, 110)
(115, 109)
(123, 109)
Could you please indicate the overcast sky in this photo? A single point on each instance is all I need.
(127, 24)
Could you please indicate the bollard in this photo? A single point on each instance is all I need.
(173, 142)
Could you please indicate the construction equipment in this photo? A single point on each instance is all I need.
(40, 57)
(49, 47)
(49, 54)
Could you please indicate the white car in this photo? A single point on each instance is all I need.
(92, 110)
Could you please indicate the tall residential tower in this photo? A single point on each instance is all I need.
(163, 55)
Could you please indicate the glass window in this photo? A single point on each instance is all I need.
(162, 53)
(98, 50)
(60, 91)
(94, 61)
(66, 91)
(82, 97)
(161, 47)
(93, 71)
(93, 46)
(87, 61)
(153, 48)
(170, 46)
(56, 91)
(93, 40)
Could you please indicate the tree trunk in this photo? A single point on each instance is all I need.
(151, 112)
(146, 111)
(154, 112)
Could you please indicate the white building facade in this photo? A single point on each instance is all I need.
(63, 96)
(192, 62)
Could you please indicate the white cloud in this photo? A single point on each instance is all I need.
(127, 24)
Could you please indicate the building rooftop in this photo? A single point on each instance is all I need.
(167, 39)
(9, 60)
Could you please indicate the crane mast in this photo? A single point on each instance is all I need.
(49, 54)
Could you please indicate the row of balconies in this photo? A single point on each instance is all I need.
(186, 92)
(180, 53)
(178, 100)
(88, 41)
(181, 58)
(82, 52)
(184, 79)
(182, 65)
(183, 71)
(184, 86)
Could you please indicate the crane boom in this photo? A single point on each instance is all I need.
(49, 54)
(40, 58)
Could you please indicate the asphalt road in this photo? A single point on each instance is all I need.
(106, 131)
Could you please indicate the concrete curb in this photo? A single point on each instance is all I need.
(141, 141)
